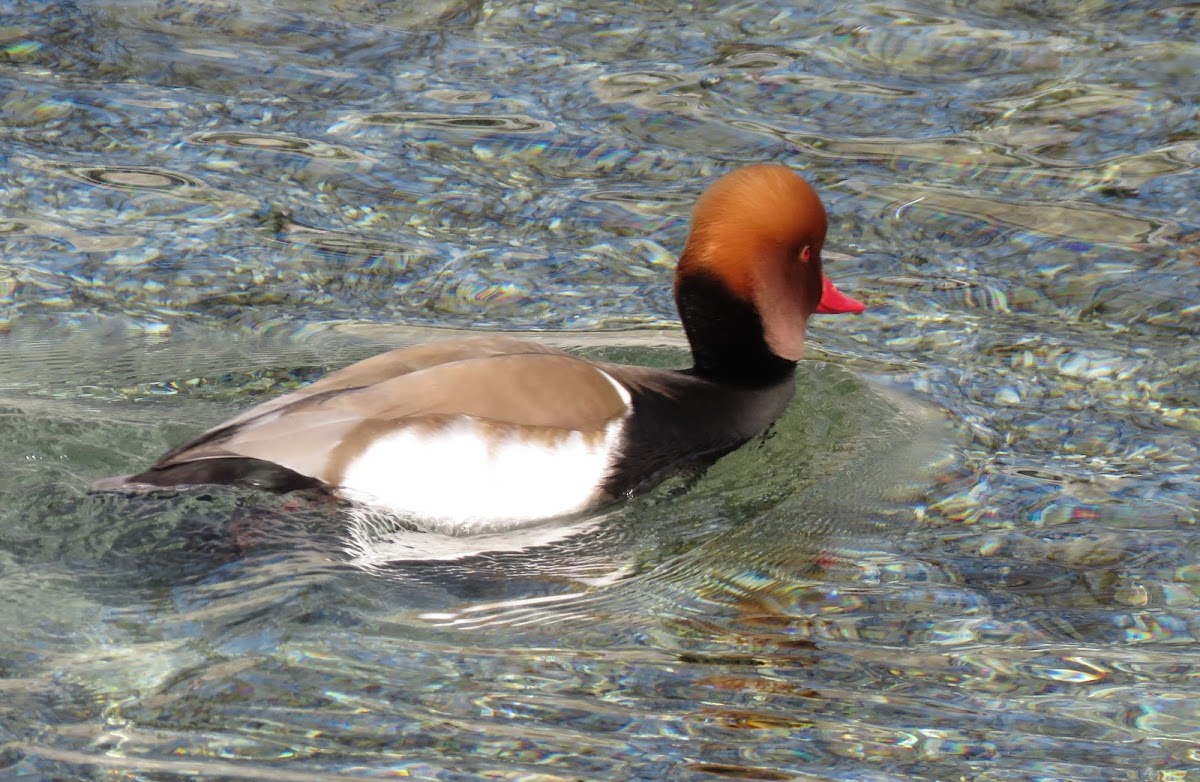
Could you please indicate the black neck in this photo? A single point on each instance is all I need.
(726, 335)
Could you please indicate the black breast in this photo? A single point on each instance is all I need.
(682, 421)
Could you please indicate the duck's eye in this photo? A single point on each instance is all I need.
(806, 254)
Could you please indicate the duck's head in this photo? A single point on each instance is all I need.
(756, 237)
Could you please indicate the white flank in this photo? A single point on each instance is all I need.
(468, 479)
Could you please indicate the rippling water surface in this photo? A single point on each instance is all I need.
(967, 552)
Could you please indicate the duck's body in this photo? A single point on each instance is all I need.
(484, 429)
(502, 429)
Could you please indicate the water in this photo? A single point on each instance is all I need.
(967, 552)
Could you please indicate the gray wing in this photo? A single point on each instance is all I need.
(395, 363)
(317, 430)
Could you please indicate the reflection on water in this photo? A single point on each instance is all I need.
(207, 204)
(229, 590)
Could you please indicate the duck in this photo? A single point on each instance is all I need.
(497, 429)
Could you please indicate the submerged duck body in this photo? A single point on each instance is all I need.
(499, 429)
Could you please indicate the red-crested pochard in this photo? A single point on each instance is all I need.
(499, 429)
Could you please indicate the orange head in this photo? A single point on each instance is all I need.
(758, 231)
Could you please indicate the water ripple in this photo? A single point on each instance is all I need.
(210, 203)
